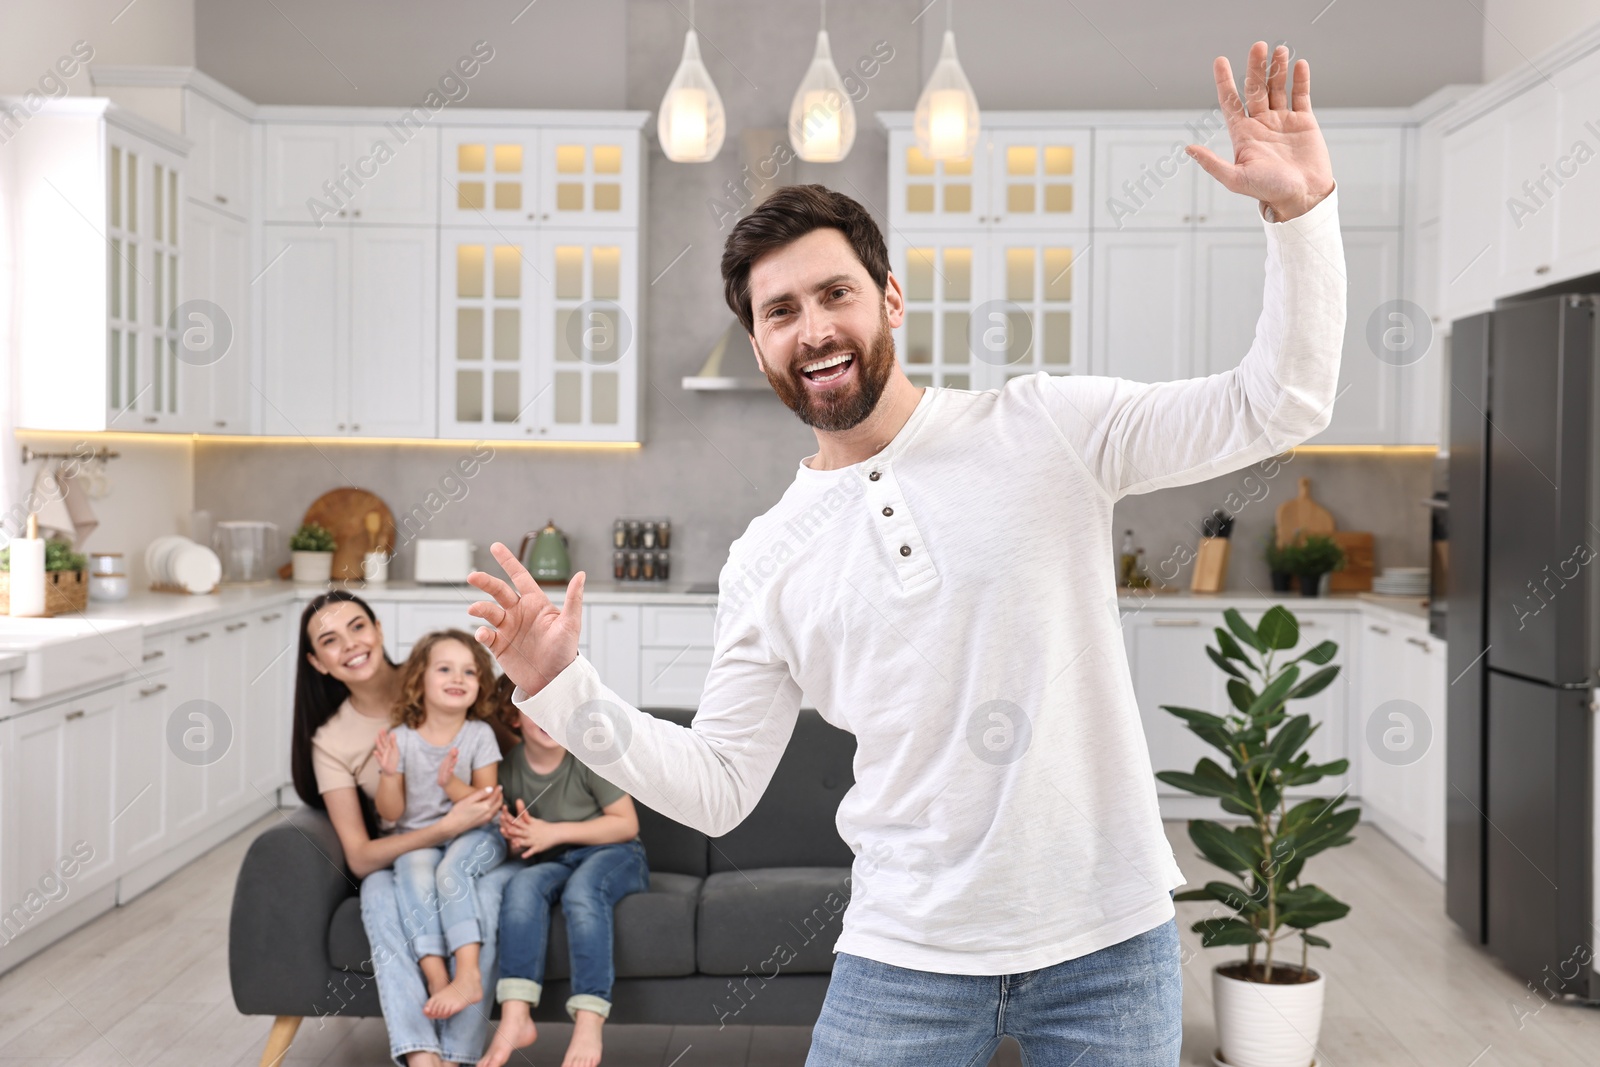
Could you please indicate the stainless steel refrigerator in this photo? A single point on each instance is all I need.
(1523, 632)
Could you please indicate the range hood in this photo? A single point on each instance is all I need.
(730, 366)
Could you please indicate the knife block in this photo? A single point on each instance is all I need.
(1210, 566)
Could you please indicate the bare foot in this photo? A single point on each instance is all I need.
(466, 988)
(516, 1030)
(584, 1048)
(436, 974)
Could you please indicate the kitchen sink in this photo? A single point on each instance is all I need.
(62, 654)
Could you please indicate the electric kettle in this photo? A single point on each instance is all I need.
(547, 558)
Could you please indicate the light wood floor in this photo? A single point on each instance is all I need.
(148, 984)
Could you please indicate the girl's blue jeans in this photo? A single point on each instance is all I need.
(435, 890)
(587, 881)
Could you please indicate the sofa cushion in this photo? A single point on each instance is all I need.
(669, 845)
(772, 919)
(793, 825)
(654, 933)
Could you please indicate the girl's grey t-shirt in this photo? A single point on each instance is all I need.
(426, 800)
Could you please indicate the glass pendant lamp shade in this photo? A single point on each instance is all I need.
(946, 119)
(822, 117)
(691, 123)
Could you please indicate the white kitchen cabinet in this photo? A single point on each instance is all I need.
(944, 275)
(1424, 395)
(348, 327)
(190, 731)
(614, 647)
(141, 768)
(947, 194)
(1366, 408)
(267, 729)
(491, 176)
(1143, 305)
(676, 647)
(1144, 179)
(1167, 658)
(1230, 275)
(1037, 316)
(1368, 165)
(1577, 229)
(1329, 709)
(1527, 244)
(540, 338)
(346, 173)
(590, 178)
(228, 787)
(214, 341)
(1470, 213)
(1019, 179)
(220, 167)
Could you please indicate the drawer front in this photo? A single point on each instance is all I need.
(671, 678)
(677, 626)
(158, 653)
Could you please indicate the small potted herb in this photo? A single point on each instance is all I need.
(1310, 556)
(66, 578)
(311, 549)
(1277, 564)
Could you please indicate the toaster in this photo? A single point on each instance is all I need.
(441, 561)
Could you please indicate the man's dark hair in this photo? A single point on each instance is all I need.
(786, 216)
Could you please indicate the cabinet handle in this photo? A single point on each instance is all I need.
(341, 214)
(235, 626)
(615, 617)
(274, 617)
(546, 215)
(1188, 218)
(152, 690)
(341, 426)
(150, 418)
(1542, 270)
(1375, 628)
(157, 654)
(201, 636)
(532, 216)
(356, 213)
(221, 199)
(355, 427)
(1202, 218)
(1420, 643)
(220, 423)
(74, 715)
(1176, 622)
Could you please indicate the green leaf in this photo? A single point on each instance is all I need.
(1233, 807)
(1194, 894)
(1242, 630)
(1192, 715)
(1208, 780)
(1221, 847)
(1231, 649)
(1288, 740)
(1214, 932)
(1241, 695)
(1236, 898)
(1273, 695)
(1278, 629)
(1314, 684)
(1330, 830)
(1309, 905)
(1220, 661)
(1319, 654)
(1315, 941)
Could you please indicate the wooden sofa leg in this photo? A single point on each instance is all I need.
(278, 1042)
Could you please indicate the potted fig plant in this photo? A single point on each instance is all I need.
(1309, 557)
(1268, 1008)
(311, 550)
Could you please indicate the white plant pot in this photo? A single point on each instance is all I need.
(312, 566)
(1260, 1025)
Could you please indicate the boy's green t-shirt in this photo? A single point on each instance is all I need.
(570, 793)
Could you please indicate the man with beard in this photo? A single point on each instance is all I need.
(938, 581)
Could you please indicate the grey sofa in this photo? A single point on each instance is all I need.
(735, 930)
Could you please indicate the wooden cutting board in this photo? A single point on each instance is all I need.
(1303, 514)
(1356, 574)
(343, 513)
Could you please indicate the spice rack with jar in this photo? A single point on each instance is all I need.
(639, 550)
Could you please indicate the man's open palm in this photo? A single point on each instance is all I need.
(1279, 155)
(532, 639)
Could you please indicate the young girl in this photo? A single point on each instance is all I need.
(577, 839)
(440, 751)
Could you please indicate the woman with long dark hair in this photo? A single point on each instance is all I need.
(346, 688)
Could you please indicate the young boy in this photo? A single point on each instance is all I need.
(576, 837)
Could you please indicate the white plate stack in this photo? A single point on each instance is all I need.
(178, 563)
(1402, 581)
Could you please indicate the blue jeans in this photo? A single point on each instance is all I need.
(435, 890)
(401, 990)
(1119, 1007)
(588, 881)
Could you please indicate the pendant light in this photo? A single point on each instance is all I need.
(946, 119)
(822, 117)
(690, 124)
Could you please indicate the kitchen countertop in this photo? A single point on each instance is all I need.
(1407, 607)
(595, 591)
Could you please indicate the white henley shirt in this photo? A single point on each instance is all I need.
(951, 602)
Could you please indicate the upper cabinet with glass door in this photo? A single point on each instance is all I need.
(1024, 179)
(554, 176)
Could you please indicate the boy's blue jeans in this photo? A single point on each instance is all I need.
(588, 881)
(435, 890)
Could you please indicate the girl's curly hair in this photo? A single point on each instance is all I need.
(409, 710)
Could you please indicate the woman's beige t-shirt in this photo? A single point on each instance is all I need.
(344, 751)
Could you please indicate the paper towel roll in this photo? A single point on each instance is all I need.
(27, 573)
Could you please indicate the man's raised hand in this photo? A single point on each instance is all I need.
(1279, 156)
(531, 639)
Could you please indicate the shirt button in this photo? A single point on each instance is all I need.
(905, 550)
(874, 476)
(888, 511)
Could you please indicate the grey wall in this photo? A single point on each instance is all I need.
(712, 462)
